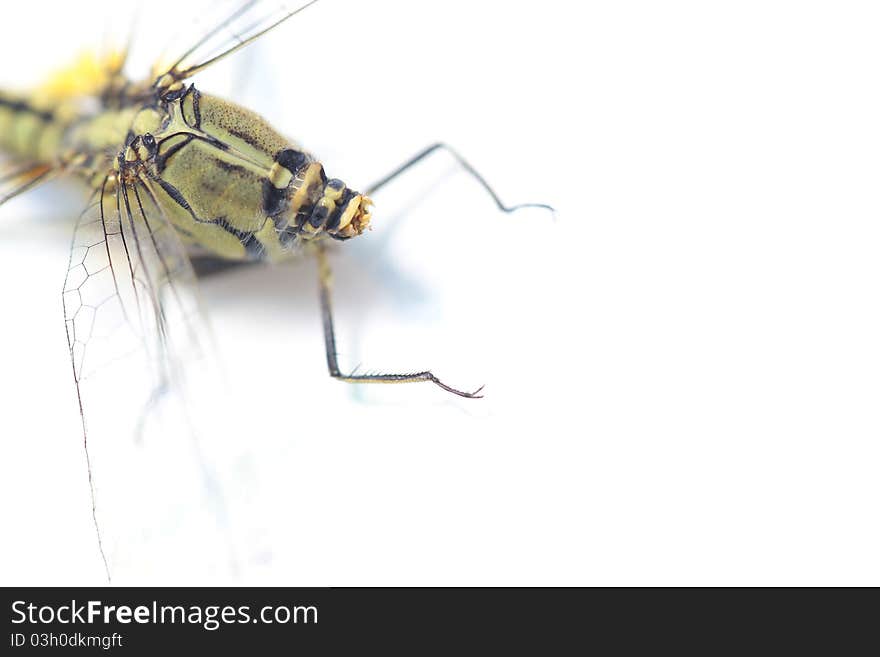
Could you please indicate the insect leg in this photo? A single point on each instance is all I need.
(433, 148)
(330, 344)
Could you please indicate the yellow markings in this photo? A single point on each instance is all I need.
(169, 83)
(87, 75)
(328, 202)
(332, 193)
(166, 81)
(349, 212)
(280, 176)
(356, 217)
(310, 179)
(217, 173)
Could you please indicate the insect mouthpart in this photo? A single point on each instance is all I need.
(354, 218)
(341, 212)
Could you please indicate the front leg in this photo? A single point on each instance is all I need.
(325, 281)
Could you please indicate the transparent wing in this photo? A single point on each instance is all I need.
(130, 290)
(144, 378)
(226, 28)
(19, 177)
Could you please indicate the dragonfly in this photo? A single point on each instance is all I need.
(178, 178)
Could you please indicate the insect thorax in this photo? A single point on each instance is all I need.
(234, 186)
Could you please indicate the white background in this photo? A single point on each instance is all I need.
(682, 369)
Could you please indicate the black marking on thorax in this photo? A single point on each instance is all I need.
(251, 244)
(341, 205)
(292, 160)
(273, 197)
(193, 94)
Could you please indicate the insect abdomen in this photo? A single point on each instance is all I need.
(28, 130)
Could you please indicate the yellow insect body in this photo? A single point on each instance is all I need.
(230, 183)
(175, 173)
